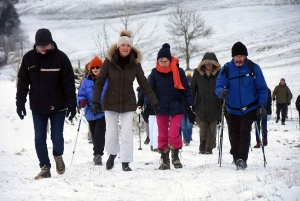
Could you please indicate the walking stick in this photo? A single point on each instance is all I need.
(140, 131)
(221, 134)
(76, 137)
(261, 143)
(291, 111)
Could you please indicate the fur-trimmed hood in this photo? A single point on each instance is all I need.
(135, 54)
(209, 57)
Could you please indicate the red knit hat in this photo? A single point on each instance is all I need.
(95, 62)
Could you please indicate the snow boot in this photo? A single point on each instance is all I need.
(45, 173)
(208, 151)
(60, 165)
(110, 161)
(97, 159)
(165, 159)
(202, 147)
(175, 159)
(265, 141)
(240, 164)
(147, 140)
(282, 123)
(257, 145)
(125, 167)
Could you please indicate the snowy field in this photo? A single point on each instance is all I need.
(271, 32)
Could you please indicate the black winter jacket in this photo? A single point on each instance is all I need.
(49, 79)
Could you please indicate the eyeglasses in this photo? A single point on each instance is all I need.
(97, 67)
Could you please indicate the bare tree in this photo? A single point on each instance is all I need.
(128, 18)
(189, 26)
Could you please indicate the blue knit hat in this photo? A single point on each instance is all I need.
(164, 52)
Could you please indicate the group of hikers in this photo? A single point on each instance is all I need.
(170, 100)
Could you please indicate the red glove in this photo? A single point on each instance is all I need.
(83, 103)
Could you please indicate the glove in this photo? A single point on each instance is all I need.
(261, 112)
(138, 110)
(96, 108)
(71, 112)
(289, 104)
(223, 93)
(82, 103)
(192, 108)
(273, 99)
(157, 109)
(269, 117)
(21, 111)
(191, 116)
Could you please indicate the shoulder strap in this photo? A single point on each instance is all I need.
(251, 68)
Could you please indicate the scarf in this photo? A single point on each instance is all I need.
(172, 67)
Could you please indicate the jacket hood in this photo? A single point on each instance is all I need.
(209, 57)
(135, 54)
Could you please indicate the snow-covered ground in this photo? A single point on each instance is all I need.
(271, 32)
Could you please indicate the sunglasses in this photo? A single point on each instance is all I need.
(95, 67)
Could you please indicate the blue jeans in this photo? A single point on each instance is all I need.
(40, 122)
(262, 123)
(186, 128)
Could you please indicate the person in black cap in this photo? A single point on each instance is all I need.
(47, 74)
(170, 85)
(283, 96)
(246, 96)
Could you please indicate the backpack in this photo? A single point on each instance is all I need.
(251, 68)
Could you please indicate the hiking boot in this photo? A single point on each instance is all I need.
(276, 120)
(240, 164)
(257, 145)
(45, 173)
(186, 144)
(125, 167)
(265, 141)
(282, 123)
(60, 165)
(202, 147)
(175, 159)
(110, 161)
(147, 140)
(165, 159)
(97, 159)
(208, 151)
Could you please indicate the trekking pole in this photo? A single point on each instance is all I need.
(221, 134)
(140, 131)
(273, 108)
(261, 143)
(291, 111)
(76, 137)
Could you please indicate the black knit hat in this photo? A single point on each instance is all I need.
(164, 52)
(43, 37)
(239, 49)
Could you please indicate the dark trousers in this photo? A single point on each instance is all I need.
(98, 128)
(240, 128)
(40, 122)
(283, 107)
(261, 123)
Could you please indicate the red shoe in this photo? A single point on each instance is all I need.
(265, 141)
(257, 145)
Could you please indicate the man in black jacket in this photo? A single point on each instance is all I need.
(46, 73)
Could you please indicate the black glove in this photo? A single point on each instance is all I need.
(191, 116)
(261, 112)
(71, 112)
(157, 109)
(21, 111)
(96, 108)
(273, 99)
(289, 104)
(223, 93)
